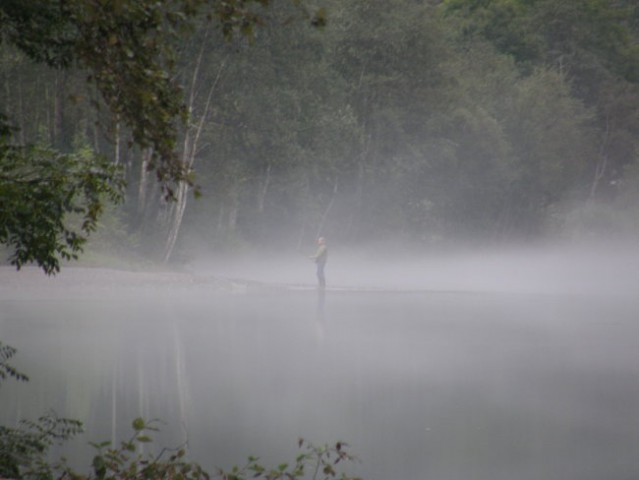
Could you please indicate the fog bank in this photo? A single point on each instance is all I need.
(586, 269)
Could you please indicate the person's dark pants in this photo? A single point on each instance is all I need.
(320, 274)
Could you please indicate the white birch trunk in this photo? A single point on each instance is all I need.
(144, 181)
(178, 207)
(189, 152)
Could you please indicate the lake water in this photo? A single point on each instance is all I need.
(443, 385)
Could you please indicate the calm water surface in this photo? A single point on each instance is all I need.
(421, 385)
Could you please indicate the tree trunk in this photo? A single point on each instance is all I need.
(178, 209)
(358, 201)
(261, 194)
(189, 151)
(61, 128)
(144, 181)
(117, 141)
(303, 226)
(601, 165)
(233, 209)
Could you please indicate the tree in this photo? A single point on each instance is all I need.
(390, 65)
(592, 43)
(266, 137)
(128, 51)
(38, 188)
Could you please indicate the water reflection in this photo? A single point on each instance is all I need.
(321, 301)
(422, 386)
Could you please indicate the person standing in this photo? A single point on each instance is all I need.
(320, 258)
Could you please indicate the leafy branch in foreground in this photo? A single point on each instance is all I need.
(314, 462)
(129, 50)
(7, 370)
(129, 462)
(24, 450)
(39, 189)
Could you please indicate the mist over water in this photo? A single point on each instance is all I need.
(520, 364)
(586, 269)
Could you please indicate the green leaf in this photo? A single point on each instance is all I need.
(138, 424)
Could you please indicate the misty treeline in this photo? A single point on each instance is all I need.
(429, 121)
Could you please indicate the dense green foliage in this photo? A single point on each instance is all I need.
(24, 450)
(430, 121)
(37, 187)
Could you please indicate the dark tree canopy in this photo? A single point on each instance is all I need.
(128, 49)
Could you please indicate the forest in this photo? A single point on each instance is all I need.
(429, 122)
